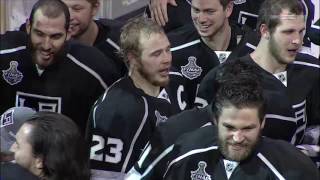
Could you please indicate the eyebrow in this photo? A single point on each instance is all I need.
(246, 127)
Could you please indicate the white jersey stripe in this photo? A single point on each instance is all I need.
(275, 116)
(175, 73)
(146, 113)
(196, 151)
(315, 26)
(144, 155)
(306, 64)
(186, 45)
(251, 46)
(155, 162)
(272, 168)
(92, 72)
(7, 51)
(300, 104)
(113, 44)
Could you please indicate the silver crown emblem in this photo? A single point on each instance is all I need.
(191, 70)
(200, 173)
(12, 75)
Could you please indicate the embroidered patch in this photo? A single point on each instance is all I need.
(237, 2)
(191, 70)
(160, 118)
(7, 119)
(12, 75)
(200, 173)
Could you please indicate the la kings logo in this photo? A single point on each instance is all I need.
(200, 173)
(191, 70)
(160, 118)
(7, 119)
(39, 102)
(12, 75)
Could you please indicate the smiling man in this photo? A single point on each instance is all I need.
(123, 119)
(44, 71)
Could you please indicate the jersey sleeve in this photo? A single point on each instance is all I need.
(117, 123)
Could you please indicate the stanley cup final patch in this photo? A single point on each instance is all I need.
(12, 75)
(191, 70)
(200, 173)
(237, 2)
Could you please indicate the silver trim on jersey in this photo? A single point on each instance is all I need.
(146, 113)
(285, 118)
(306, 64)
(195, 151)
(272, 168)
(7, 51)
(251, 46)
(185, 45)
(113, 44)
(88, 69)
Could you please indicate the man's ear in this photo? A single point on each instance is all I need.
(68, 36)
(264, 31)
(229, 8)
(95, 8)
(263, 122)
(39, 162)
(28, 26)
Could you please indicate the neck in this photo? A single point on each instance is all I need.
(140, 82)
(90, 35)
(220, 40)
(264, 58)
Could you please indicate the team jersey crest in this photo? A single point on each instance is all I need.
(7, 119)
(12, 75)
(160, 118)
(239, 1)
(191, 70)
(200, 173)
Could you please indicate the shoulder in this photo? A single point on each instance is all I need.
(307, 60)
(287, 159)
(13, 40)
(93, 61)
(183, 37)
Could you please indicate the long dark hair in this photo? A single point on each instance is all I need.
(57, 140)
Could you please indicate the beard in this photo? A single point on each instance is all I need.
(59, 55)
(275, 51)
(151, 77)
(247, 149)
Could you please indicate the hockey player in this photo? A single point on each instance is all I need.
(43, 71)
(103, 34)
(123, 119)
(234, 148)
(197, 48)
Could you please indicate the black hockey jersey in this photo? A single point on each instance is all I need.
(69, 86)
(192, 59)
(121, 124)
(107, 42)
(196, 156)
(152, 163)
(289, 109)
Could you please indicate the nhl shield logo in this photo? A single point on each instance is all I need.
(12, 75)
(200, 173)
(191, 70)
(222, 58)
(239, 1)
(160, 118)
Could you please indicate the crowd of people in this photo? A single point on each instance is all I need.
(199, 89)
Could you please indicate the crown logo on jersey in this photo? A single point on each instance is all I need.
(239, 1)
(160, 118)
(12, 75)
(200, 173)
(191, 70)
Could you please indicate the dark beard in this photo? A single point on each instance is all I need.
(58, 56)
(147, 76)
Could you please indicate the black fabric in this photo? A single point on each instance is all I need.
(69, 86)
(127, 115)
(12, 171)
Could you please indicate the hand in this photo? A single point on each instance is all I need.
(158, 9)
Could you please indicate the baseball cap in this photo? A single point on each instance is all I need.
(10, 122)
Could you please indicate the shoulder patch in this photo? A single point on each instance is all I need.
(200, 173)
(12, 75)
(191, 70)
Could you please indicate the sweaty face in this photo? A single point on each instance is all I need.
(287, 38)
(47, 36)
(81, 15)
(239, 132)
(155, 60)
(209, 17)
(22, 149)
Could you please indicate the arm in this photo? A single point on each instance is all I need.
(158, 10)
